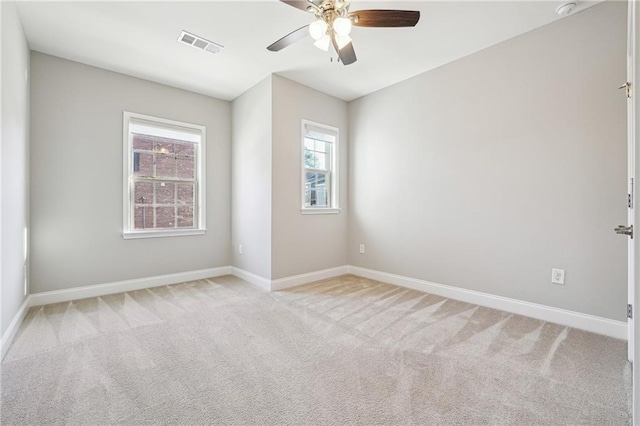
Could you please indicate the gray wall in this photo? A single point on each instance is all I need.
(489, 171)
(251, 182)
(14, 164)
(76, 177)
(304, 243)
(277, 240)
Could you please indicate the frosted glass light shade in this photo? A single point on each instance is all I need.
(342, 26)
(317, 29)
(323, 43)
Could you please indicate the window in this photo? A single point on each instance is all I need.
(319, 168)
(163, 177)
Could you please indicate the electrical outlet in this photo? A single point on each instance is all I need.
(361, 248)
(240, 249)
(557, 276)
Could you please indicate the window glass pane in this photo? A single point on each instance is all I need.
(165, 193)
(143, 216)
(185, 193)
(143, 193)
(185, 216)
(142, 142)
(320, 161)
(321, 191)
(165, 217)
(136, 161)
(143, 198)
(316, 190)
(309, 144)
(143, 164)
(164, 146)
(313, 198)
(310, 195)
(165, 166)
(185, 150)
(309, 159)
(185, 167)
(322, 146)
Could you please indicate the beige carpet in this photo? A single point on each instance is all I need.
(341, 351)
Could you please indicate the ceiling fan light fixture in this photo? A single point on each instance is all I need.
(342, 26)
(342, 40)
(318, 29)
(334, 22)
(323, 43)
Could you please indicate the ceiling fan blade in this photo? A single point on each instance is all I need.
(300, 4)
(347, 55)
(289, 39)
(385, 18)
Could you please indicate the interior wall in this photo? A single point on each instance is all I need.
(304, 243)
(76, 177)
(251, 179)
(14, 164)
(490, 171)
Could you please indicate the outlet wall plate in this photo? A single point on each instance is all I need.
(361, 248)
(557, 276)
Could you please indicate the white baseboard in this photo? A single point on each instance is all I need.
(76, 293)
(11, 331)
(594, 324)
(257, 280)
(607, 327)
(65, 295)
(296, 280)
(288, 282)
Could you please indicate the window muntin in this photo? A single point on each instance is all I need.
(319, 174)
(164, 185)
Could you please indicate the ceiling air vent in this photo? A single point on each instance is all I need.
(199, 42)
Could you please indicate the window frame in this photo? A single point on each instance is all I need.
(199, 227)
(332, 172)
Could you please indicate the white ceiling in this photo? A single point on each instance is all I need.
(140, 39)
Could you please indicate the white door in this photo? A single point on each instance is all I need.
(633, 108)
(630, 169)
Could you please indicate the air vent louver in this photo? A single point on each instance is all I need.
(186, 38)
(212, 48)
(199, 42)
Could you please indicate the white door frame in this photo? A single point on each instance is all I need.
(631, 178)
(634, 105)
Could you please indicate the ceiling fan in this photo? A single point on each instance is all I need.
(334, 21)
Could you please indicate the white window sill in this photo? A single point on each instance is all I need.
(164, 233)
(320, 211)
